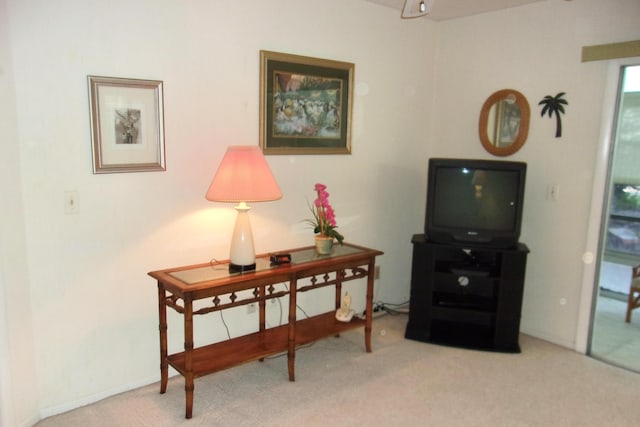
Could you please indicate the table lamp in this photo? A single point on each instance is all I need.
(243, 176)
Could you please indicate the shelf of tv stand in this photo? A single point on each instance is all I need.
(465, 335)
(223, 355)
(454, 302)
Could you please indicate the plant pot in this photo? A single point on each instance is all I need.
(324, 245)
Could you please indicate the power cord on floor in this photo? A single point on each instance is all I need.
(380, 308)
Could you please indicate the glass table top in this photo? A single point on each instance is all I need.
(217, 271)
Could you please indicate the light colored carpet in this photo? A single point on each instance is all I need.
(401, 383)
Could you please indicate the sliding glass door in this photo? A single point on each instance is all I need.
(612, 339)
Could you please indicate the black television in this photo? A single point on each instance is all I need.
(475, 202)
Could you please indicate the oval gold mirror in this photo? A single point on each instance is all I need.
(504, 122)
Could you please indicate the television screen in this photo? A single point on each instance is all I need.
(476, 201)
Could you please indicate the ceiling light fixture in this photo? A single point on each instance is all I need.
(416, 8)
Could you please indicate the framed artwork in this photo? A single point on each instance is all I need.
(507, 122)
(305, 104)
(127, 124)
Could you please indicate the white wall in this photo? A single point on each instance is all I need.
(17, 362)
(82, 280)
(537, 50)
(94, 308)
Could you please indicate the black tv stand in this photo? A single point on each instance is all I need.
(466, 296)
(464, 270)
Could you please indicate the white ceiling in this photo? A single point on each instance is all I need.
(449, 9)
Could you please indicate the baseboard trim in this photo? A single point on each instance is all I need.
(68, 406)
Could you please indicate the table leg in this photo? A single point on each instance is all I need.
(262, 309)
(338, 289)
(291, 353)
(369, 316)
(162, 316)
(188, 356)
(339, 274)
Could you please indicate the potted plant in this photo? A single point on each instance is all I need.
(324, 221)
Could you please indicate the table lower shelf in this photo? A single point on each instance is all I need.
(226, 354)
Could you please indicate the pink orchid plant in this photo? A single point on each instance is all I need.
(324, 218)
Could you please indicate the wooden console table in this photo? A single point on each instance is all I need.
(179, 287)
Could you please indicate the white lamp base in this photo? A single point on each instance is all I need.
(243, 254)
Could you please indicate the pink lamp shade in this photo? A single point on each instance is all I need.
(243, 176)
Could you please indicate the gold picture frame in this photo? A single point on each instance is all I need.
(305, 104)
(127, 124)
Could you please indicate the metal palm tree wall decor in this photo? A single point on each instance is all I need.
(554, 105)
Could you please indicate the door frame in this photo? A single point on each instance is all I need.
(591, 257)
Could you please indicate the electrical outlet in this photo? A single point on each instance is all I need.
(376, 272)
